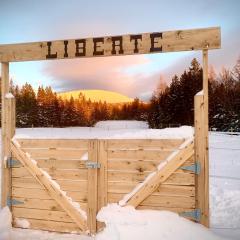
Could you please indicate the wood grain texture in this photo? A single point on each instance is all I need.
(54, 226)
(52, 189)
(162, 175)
(92, 187)
(170, 41)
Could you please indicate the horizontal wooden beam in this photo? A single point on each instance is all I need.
(156, 42)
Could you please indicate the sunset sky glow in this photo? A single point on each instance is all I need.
(27, 21)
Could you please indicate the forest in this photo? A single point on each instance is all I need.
(169, 105)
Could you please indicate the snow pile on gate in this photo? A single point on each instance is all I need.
(122, 223)
(126, 223)
(100, 133)
(118, 124)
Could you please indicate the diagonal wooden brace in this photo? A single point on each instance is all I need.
(52, 189)
(161, 175)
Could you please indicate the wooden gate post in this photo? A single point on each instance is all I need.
(201, 145)
(92, 186)
(205, 214)
(102, 177)
(8, 131)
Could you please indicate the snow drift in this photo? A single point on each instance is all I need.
(127, 223)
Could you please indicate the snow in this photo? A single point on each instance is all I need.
(5, 224)
(224, 194)
(127, 223)
(200, 93)
(225, 184)
(22, 223)
(100, 133)
(110, 125)
(84, 156)
(9, 95)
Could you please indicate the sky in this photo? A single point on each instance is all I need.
(134, 76)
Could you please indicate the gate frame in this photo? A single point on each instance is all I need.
(183, 40)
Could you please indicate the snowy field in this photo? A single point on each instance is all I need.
(128, 223)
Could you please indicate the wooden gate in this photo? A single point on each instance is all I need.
(37, 197)
(53, 176)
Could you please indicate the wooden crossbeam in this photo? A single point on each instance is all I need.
(161, 175)
(143, 43)
(51, 188)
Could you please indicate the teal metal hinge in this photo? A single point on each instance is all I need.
(90, 164)
(196, 168)
(195, 215)
(12, 162)
(12, 202)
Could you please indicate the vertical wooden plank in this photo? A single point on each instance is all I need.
(92, 187)
(102, 177)
(205, 215)
(199, 150)
(5, 190)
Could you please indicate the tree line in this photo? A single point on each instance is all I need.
(175, 103)
(46, 109)
(169, 105)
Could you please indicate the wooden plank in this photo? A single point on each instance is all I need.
(157, 42)
(160, 208)
(66, 153)
(144, 144)
(205, 163)
(53, 143)
(133, 165)
(36, 203)
(66, 185)
(135, 177)
(43, 194)
(41, 214)
(53, 163)
(51, 226)
(57, 174)
(92, 187)
(156, 200)
(102, 177)
(163, 190)
(53, 190)
(6, 133)
(139, 165)
(138, 155)
(162, 175)
(45, 204)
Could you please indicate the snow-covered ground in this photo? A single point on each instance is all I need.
(128, 223)
(225, 184)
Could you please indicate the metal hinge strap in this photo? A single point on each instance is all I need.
(12, 202)
(12, 162)
(196, 168)
(195, 215)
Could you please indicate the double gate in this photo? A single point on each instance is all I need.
(61, 184)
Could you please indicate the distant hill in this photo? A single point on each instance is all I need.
(97, 95)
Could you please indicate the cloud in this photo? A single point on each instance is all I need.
(108, 73)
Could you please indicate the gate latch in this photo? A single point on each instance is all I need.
(90, 164)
